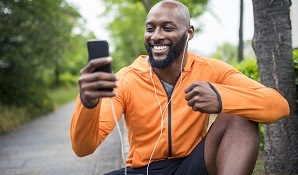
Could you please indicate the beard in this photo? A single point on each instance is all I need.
(174, 53)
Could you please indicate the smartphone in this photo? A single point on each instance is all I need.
(98, 49)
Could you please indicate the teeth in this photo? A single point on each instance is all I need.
(160, 47)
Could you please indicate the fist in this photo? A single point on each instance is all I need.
(201, 97)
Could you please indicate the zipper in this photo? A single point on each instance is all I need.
(169, 95)
(170, 127)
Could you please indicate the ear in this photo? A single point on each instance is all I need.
(190, 32)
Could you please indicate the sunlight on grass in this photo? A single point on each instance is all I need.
(63, 95)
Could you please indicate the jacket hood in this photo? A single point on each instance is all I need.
(142, 63)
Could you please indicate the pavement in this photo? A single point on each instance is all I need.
(42, 147)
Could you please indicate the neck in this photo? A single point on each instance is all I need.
(171, 73)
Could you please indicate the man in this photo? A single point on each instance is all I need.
(167, 97)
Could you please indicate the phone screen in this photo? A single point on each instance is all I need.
(98, 49)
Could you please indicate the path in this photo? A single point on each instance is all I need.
(42, 147)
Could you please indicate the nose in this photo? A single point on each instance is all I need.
(157, 35)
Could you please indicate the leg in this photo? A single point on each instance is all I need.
(231, 146)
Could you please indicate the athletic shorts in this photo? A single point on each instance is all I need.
(189, 165)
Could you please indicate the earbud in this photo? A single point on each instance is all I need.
(187, 36)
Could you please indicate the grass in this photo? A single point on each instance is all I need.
(63, 95)
(12, 117)
(259, 168)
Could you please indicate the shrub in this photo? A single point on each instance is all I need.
(11, 117)
(249, 67)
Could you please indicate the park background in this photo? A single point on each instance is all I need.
(43, 46)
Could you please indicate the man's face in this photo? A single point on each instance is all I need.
(173, 54)
(165, 36)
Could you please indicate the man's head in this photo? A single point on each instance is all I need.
(167, 28)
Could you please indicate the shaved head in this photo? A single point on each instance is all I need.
(167, 32)
(181, 9)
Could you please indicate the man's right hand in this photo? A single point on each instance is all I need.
(91, 82)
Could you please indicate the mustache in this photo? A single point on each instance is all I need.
(159, 42)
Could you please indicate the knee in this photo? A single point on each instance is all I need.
(241, 125)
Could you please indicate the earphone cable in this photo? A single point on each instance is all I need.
(120, 135)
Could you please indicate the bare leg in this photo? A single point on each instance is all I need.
(231, 146)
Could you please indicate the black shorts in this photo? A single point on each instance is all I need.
(189, 165)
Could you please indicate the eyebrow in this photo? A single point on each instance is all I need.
(163, 23)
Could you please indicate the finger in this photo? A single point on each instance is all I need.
(194, 85)
(199, 107)
(191, 94)
(99, 85)
(94, 63)
(104, 76)
(97, 76)
(93, 94)
(192, 102)
(189, 88)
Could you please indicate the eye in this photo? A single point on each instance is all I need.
(168, 28)
(149, 28)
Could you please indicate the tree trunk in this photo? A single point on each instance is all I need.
(272, 43)
(147, 4)
(240, 45)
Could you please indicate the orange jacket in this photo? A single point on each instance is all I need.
(182, 128)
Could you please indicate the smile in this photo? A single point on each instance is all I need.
(160, 48)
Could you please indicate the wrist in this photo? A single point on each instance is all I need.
(89, 103)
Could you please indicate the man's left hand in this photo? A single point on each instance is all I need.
(201, 97)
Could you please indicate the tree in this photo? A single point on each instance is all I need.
(35, 37)
(273, 47)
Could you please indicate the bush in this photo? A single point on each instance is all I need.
(25, 94)
(11, 117)
(63, 95)
(68, 80)
(249, 67)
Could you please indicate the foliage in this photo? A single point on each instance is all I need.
(227, 53)
(63, 95)
(295, 59)
(38, 47)
(11, 117)
(249, 67)
(126, 22)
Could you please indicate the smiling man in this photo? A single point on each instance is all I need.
(167, 98)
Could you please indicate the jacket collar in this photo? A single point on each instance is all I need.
(142, 64)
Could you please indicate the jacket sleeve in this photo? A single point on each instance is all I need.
(89, 127)
(243, 96)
